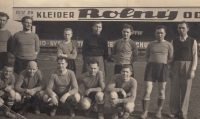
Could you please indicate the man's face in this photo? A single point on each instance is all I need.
(7, 71)
(160, 34)
(3, 21)
(62, 64)
(182, 29)
(97, 28)
(93, 68)
(32, 69)
(126, 73)
(126, 33)
(68, 35)
(27, 24)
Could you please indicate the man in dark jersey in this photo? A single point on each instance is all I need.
(95, 46)
(122, 89)
(5, 40)
(93, 81)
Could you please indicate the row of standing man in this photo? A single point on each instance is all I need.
(179, 58)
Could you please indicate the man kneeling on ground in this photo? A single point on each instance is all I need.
(7, 93)
(29, 86)
(93, 81)
(122, 88)
(62, 87)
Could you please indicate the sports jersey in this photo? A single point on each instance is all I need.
(4, 82)
(28, 82)
(124, 52)
(69, 49)
(25, 45)
(159, 52)
(92, 81)
(95, 45)
(62, 84)
(5, 39)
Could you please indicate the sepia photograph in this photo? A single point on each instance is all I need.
(99, 59)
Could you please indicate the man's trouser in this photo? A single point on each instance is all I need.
(180, 87)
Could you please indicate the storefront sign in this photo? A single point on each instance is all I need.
(151, 14)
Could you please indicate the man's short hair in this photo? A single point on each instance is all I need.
(97, 22)
(2, 14)
(127, 26)
(127, 66)
(67, 29)
(8, 64)
(26, 17)
(62, 58)
(93, 61)
(161, 27)
(184, 22)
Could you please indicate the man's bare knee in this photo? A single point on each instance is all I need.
(129, 107)
(11, 95)
(99, 97)
(86, 103)
(113, 95)
(76, 97)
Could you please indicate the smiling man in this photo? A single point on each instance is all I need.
(25, 46)
(124, 50)
(29, 86)
(93, 81)
(62, 87)
(158, 55)
(122, 89)
(5, 40)
(95, 46)
(7, 93)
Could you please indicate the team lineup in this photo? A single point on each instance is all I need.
(178, 56)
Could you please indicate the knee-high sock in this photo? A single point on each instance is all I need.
(161, 103)
(100, 107)
(145, 105)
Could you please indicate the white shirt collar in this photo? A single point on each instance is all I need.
(183, 38)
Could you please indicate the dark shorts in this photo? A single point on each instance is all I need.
(71, 65)
(156, 72)
(91, 96)
(20, 65)
(118, 69)
(3, 59)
